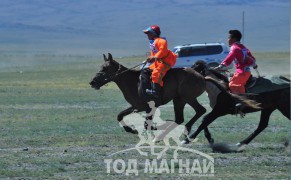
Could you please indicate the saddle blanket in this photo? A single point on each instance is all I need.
(269, 83)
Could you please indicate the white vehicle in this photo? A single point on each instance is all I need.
(212, 53)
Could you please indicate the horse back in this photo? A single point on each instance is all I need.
(184, 82)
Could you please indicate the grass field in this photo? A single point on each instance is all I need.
(53, 125)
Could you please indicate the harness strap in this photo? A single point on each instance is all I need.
(163, 61)
(244, 51)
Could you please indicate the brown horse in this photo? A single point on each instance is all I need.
(181, 85)
(269, 102)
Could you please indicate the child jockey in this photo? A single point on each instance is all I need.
(161, 59)
(243, 61)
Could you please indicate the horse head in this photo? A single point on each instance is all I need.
(106, 73)
(201, 67)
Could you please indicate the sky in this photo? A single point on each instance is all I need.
(90, 27)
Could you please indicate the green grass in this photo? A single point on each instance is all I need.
(53, 125)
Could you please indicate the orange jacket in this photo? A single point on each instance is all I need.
(159, 50)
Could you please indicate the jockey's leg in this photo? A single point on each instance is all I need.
(237, 85)
(145, 81)
(238, 82)
(157, 82)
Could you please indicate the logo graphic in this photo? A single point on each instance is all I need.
(153, 131)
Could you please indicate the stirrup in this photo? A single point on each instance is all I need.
(152, 93)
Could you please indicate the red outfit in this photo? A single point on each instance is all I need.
(165, 59)
(243, 60)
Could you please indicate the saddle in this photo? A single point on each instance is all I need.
(266, 84)
(251, 82)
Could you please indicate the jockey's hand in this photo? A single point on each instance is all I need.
(255, 66)
(220, 67)
(151, 59)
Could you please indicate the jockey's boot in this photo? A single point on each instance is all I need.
(155, 91)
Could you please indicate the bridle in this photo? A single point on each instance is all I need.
(112, 77)
(119, 69)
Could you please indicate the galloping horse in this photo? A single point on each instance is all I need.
(182, 85)
(269, 102)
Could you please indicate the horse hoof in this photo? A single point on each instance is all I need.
(211, 141)
(185, 141)
(240, 147)
(134, 131)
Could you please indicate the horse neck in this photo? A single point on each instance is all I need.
(212, 90)
(128, 84)
(218, 76)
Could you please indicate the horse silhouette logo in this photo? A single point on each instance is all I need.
(163, 132)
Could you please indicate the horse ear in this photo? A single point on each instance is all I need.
(105, 59)
(110, 57)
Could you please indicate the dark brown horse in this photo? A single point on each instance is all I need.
(181, 85)
(269, 102)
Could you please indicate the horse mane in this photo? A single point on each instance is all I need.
(219, 75)
(201, 66)
(223, 87)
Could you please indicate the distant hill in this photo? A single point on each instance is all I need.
(96, 27)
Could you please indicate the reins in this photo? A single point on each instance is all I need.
(118, 74)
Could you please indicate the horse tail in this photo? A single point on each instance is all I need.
(245, 101)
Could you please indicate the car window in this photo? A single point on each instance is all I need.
(214, 49)
(200, 50)
(192, 51)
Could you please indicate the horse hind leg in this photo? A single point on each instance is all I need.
(283, 105)
(285, 111)
(264, 120)
(208, 136)
(284, 108)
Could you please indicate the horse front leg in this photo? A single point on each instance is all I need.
(200, 110)
(122, 123)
